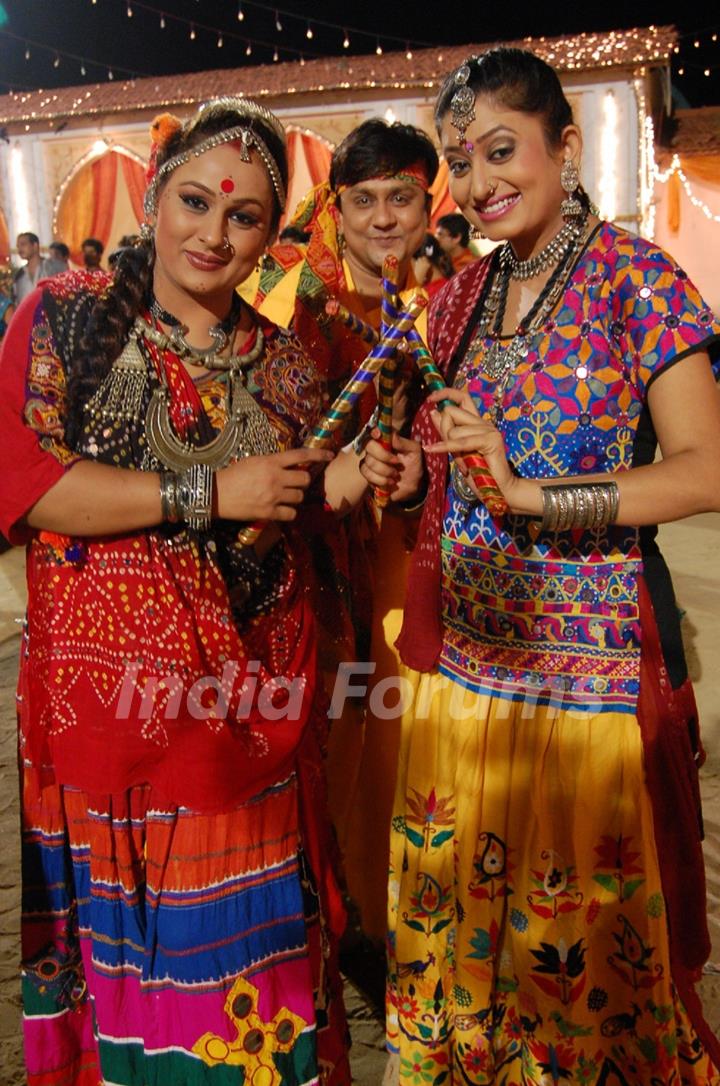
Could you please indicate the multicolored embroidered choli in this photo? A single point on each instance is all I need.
(556, 617)
(546, 894)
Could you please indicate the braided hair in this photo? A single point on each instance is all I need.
(113, 314)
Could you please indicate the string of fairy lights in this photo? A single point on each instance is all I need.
(242, 40)
(696, 51)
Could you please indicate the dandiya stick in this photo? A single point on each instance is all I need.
(482, 477)
(387, 382)
(338, 311)
(321, 436)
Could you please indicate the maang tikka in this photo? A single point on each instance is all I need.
(462, 103)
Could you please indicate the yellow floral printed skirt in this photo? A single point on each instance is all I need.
(528, 935)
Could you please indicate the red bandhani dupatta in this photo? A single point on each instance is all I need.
(134, 671)
(420, 639)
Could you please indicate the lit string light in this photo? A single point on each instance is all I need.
(607, 184)
(58, 55)
(663, 176)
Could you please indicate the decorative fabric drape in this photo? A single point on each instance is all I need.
(4, 239)
(88, 205)
(134, 177)
(104, 171)
(705, 168)
(442, 201)
(309, 160)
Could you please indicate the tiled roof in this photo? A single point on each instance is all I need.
(424, 69)
(697, 132)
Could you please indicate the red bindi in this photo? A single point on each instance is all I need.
(227, 184)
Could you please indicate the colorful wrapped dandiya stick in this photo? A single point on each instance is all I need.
(488, 490)
(386, 383)
(482, 478)
(337, 311)
(321, 437)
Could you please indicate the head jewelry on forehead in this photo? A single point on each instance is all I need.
(462, 103)
(243, 132)
(414, 174)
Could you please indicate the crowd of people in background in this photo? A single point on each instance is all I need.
(439, 257)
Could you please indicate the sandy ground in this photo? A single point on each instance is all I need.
(691, 549)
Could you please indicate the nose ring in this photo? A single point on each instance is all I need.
(492, 185)
(226, 247)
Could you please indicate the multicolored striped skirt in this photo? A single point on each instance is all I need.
(165, 946)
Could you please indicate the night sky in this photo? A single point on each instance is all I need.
(63, 37)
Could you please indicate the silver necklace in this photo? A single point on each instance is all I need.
(175, 341)
(499, 361)
(551, 254)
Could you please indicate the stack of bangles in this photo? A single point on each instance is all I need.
(587, 506)
(187, 496)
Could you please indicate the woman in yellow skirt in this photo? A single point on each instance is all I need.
(547, 915)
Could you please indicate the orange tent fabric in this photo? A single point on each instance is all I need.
(88, 205)
(705, 168)
(134, 177)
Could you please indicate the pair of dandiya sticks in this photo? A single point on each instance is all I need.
(396, 325)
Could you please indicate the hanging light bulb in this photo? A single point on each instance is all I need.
(56, 62)
(346, 40)
(82, 68)
(681, 71)
(162, 21)
(27, 52)
(706, 72)
(248, 50)
(129, 11)
(241, 13)
(302, 61)
(278, 24)
(276, 56)
(192, 32)
(110, 74)
(378, 49)
(696, 44)
(408, 51)
(309, 32)
(220, 41)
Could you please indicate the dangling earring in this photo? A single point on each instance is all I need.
(571, 208)
(340, 243)
(147, 233)
(476, 234)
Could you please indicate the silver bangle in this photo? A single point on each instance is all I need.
(168, 497)
(587, 506)
(194, 490)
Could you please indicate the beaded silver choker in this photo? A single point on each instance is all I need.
(175, 341)
(549, 256)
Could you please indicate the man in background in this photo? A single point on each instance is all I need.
(92, 251)
(453, 234)
(35, 267)
(60, 254)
